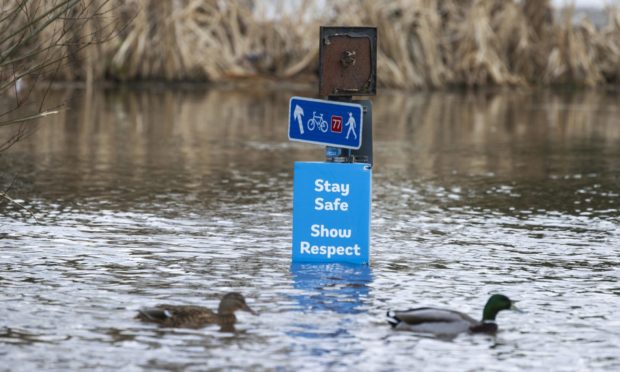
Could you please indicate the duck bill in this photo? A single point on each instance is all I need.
(514, 307)
(248, 309)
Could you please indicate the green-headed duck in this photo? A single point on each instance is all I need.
(450, 322)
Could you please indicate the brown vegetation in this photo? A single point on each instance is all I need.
(37, 38)
(422, 43)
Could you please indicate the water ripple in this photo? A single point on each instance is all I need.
(186, 212)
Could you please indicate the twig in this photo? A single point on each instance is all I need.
(4, 195)
(27, 118)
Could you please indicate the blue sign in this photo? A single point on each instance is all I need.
(325, 122)
(331, 212)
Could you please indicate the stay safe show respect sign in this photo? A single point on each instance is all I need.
(331, 212)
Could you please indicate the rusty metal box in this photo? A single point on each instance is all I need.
(348, 61)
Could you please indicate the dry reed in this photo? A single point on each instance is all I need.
(422, 43)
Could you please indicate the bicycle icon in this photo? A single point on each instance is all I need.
(317, 121)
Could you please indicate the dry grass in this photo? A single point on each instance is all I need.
(422, 43)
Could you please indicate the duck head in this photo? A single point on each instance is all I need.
(495, 304)
(232, 302)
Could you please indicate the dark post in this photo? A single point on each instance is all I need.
(348, 68)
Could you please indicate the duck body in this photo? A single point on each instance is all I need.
(190, 316)
(439, 321)
(449, 322)
(186, 316)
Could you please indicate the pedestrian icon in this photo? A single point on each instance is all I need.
(351, 124)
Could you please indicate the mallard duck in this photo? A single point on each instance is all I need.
(450, 322)
(188, 316)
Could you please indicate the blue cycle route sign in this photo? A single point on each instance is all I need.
(323, 122)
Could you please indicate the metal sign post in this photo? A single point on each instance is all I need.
(332, 200)
(347, 68)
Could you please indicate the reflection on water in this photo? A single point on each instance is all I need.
(178, 196)
(326, 289)
(333, 287)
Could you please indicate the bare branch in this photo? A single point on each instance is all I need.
(51, 17)
(4, 195)
(28, 118)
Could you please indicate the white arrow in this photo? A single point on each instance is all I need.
(297, 114)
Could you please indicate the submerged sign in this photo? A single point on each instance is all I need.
(325, 122)
(331, 212)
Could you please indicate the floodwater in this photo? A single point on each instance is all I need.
(178, 196)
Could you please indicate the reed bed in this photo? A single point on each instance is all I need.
(422, 43)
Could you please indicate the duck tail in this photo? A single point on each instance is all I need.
(392, 318)
(152, 314)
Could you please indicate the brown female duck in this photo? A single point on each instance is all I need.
(187, 316)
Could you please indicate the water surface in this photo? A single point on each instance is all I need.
(178, 196)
